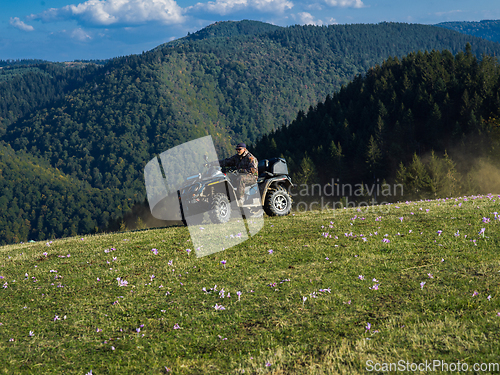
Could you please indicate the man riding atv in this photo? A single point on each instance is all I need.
(247, 166)
(190, 183)
(242, 186)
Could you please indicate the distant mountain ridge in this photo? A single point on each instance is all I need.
(486, 29)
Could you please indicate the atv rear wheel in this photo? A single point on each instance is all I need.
(221, 209)
(278, 202)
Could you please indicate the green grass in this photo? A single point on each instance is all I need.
(449, 318)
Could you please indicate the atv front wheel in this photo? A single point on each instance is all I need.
(278, 202)
(221, 209)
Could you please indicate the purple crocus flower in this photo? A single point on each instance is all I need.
(121, 282)
(219, 307)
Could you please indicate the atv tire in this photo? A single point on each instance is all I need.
(221, 209)
(278, 202)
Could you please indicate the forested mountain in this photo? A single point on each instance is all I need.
(486, 29)
(100, 124)
(39, 201)
(387, 124)
(27, 88)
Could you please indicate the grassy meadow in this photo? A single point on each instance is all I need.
(323, 292)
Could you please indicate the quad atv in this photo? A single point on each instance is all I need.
(214, 191)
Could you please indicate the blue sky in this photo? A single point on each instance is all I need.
(66, 30)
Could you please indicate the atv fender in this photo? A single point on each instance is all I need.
(274, 182)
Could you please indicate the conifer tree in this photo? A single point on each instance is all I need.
(307, 173)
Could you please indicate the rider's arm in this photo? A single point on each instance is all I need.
(229, 162)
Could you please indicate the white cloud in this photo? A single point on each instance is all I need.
(223, 7)
(271, 5)
(111, 12)
(308, 19)
(345, 3)
(17, 23)
(77, 34)
(313, 7)
(449, 13)
(80, 35)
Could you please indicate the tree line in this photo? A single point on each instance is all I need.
(419, 120)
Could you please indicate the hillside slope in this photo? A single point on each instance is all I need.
(316, 293)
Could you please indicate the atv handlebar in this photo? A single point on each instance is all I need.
(224, 169)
